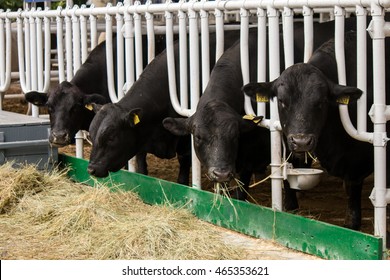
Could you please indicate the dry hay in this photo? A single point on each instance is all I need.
(46, 216)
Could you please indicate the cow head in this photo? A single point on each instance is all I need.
(114, 136)
(216, 129)
(66, 105)
(304, 96)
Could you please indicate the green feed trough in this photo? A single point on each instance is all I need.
(295, 232)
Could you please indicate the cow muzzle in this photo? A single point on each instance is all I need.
(59, 138)
(94, 171)
(300, 143)
(220, 175)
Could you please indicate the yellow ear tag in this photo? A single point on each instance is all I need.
(255, 119)
(136, 119)
(89, 107)
(248, 117)
(261, 98)
(343, 100)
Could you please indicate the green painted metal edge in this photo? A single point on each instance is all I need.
(295, 232)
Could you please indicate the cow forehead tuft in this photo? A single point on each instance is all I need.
(62, 93)
(301, 76)
(111, 114)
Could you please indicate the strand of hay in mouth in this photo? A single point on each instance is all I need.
(314, 158)
(222, 191)
(225, 188)
(49, 217)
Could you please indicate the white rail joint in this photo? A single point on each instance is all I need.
(383, 202)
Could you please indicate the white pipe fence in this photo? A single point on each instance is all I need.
(5, 56)
(74, 25)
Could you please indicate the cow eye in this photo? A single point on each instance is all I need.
(50, 109)
(198, 138)
(111, 138)
(320, 105)
(282, 103)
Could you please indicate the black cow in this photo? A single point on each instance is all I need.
(121, 130)
(307, 101)
(67, 103)
(225, 143)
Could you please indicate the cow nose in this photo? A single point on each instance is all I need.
(91, 170)
(301, 142)
(221, 175)
(60, 137)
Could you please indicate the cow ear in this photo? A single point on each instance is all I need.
(345, 94)
(134, 117)
(259, 92)
(94, 98)
(93, 107)
(177, 126)
(36, 98)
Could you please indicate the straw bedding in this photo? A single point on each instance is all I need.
(43, 215)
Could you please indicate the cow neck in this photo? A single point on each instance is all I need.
(151, 91)
(226, 81)
(92, 74)
(233, 98)
(93, 82)
(86, 121)
(326, 64)
(153, 109)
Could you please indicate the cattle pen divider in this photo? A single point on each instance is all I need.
(292, 231)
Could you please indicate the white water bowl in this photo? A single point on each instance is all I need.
(303, 178)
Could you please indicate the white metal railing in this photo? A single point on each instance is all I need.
(194, 18)
(5, 56)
